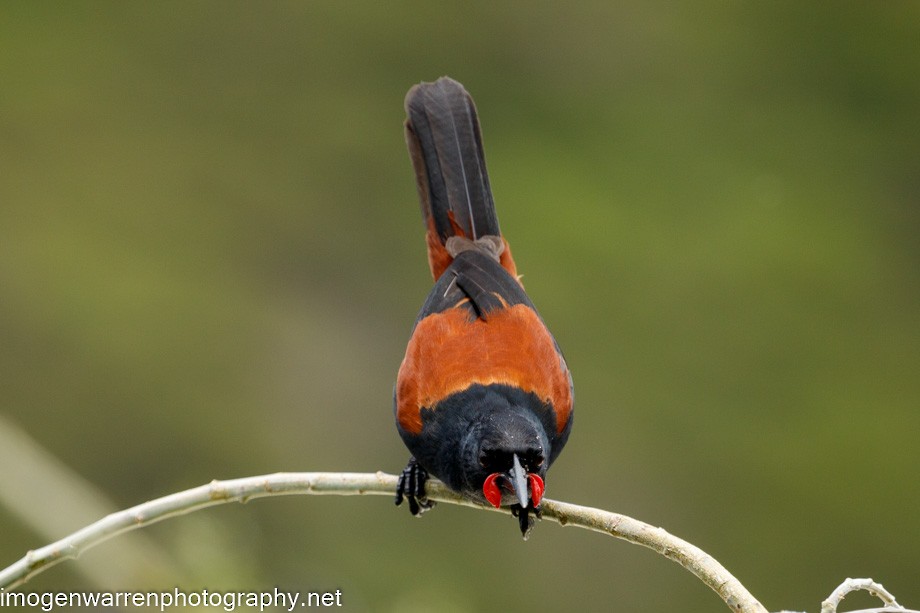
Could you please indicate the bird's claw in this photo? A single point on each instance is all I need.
(411, 486)
(525, 520)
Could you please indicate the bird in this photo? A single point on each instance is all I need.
(483, 397)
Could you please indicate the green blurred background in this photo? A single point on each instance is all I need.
(211, 257)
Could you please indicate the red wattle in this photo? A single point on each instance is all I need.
(491, 490)
(536, 489)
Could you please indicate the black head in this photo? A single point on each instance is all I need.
(505, 454)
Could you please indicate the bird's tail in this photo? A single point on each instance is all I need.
(442, 133)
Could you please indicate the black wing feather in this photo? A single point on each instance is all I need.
(478, 282)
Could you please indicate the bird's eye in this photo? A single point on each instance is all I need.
(493, 459)
(534, 460)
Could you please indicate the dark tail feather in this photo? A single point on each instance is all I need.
(442, 132)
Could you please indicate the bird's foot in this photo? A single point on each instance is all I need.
(411, 486)
(525, 519)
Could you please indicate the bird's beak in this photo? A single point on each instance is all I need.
(519, 482)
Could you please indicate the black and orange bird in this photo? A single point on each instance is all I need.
(483, 397)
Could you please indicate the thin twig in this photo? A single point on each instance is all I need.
(689, 556)
(851, 585)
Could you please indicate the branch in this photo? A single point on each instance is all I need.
(689, 556)
(851, 585)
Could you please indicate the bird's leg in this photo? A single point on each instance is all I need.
(411, 485)
(524, 519)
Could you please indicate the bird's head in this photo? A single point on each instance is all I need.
(506, 457)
